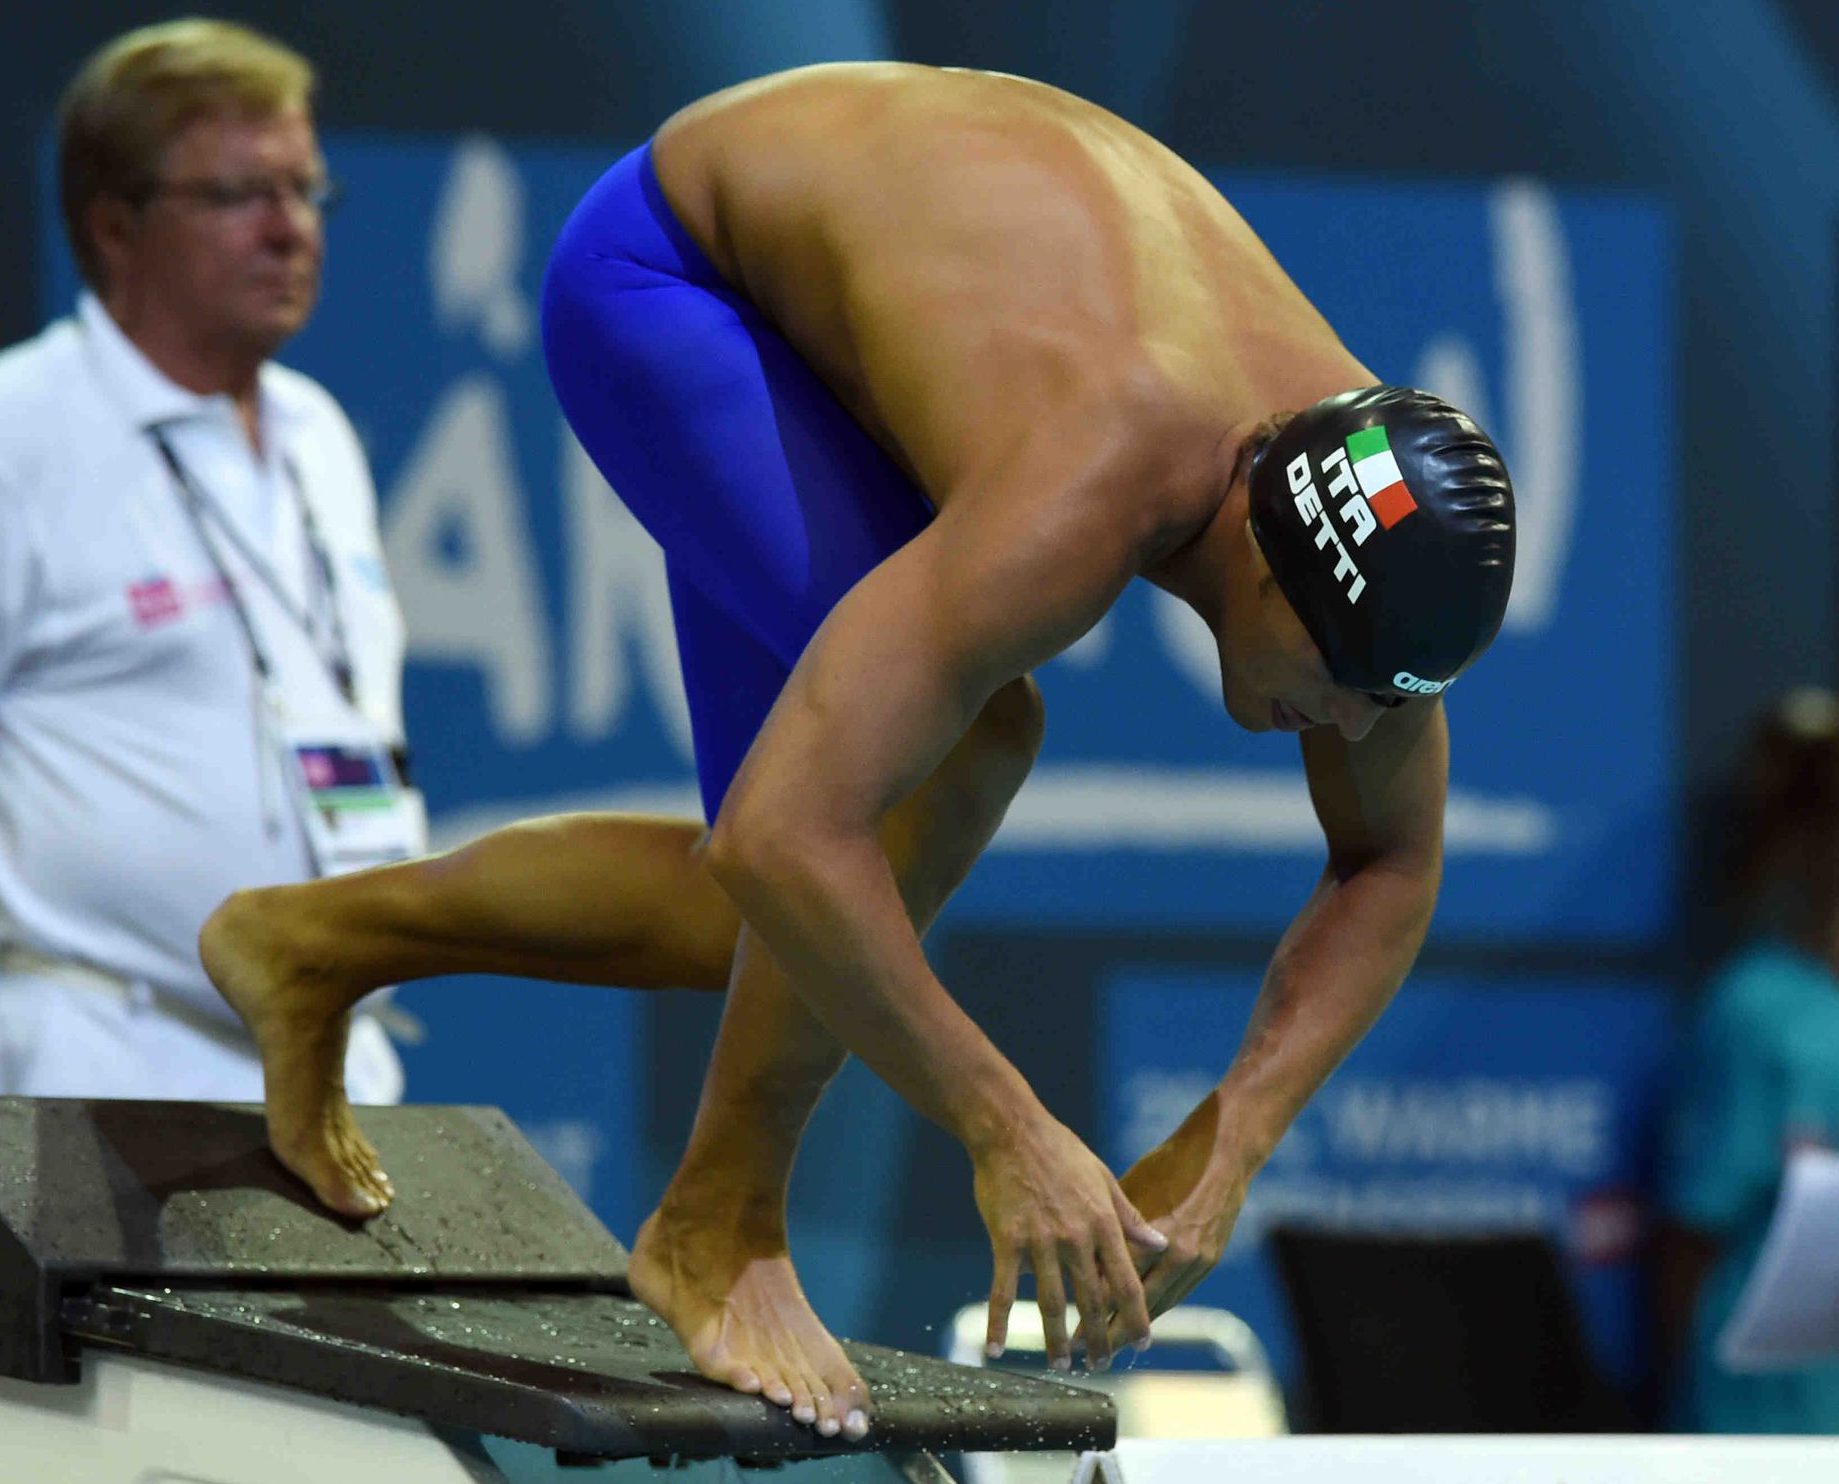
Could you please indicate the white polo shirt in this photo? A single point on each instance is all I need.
(138, 787)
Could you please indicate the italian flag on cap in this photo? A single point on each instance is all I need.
(1381, 483)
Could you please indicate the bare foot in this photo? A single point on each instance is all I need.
(738, 1309)
(299, 1023)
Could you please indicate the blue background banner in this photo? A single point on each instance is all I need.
(1470, 1106)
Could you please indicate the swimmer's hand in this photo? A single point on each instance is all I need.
(1052, 1206)
(1191, 1187)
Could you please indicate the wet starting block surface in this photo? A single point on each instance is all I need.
(487, 1297)
(189, 1190)
(585, 1374)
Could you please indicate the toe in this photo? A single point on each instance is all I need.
(378, 1184)
(854, 1407)
(848, 1392)
(328, 1179)
(811, 1398)
(346, 1197)
(363, 1170)
(829, 1424)
(743, 1378)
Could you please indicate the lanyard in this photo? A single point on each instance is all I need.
(205, 513)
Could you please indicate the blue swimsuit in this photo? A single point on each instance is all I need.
(769, 499)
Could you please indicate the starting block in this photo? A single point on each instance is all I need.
(157, 1263)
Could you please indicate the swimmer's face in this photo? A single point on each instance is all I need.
(1272, 676)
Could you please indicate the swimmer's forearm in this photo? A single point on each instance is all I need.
(1337, 968)
(833, 917)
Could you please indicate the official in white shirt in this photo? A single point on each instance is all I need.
(200, 655)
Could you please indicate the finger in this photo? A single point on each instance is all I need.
(1002, 1298)
(1128, 1309)
(1131, 1325)
(1136, 1226)
(1169, 1283)
(1089, 1294)
(1153, 1284)
(1050, 1294)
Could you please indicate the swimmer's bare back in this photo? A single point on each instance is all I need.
(968, 259)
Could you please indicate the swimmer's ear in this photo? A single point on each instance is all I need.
(1261, 566)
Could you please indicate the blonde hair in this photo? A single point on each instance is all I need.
(131, 98)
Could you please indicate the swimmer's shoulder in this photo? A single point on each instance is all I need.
(739, 164)
(839, 115)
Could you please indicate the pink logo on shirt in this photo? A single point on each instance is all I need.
(159, 600)
(155, 601)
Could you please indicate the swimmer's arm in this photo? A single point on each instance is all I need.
(884, 695)
(1380, 803)
(887, 688)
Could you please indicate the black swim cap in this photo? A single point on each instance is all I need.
(1387, 518)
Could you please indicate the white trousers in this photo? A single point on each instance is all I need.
(60, 1040)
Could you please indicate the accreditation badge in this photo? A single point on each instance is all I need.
(353, 805)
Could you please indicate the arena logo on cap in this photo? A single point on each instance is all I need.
(1406, 681)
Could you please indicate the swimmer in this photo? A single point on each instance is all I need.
(910, 372)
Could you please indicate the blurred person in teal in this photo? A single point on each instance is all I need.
(1760, 1074)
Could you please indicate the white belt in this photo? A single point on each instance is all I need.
(16, 958)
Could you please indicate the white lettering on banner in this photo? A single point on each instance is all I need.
(1545, 389)
(476, 247)
(486, 608)
(1564, 1125)
(1442, 1203)
(618, 604)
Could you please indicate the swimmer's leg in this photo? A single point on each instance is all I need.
(713, 1260)
(583, 898)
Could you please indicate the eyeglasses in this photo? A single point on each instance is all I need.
(319, 194)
